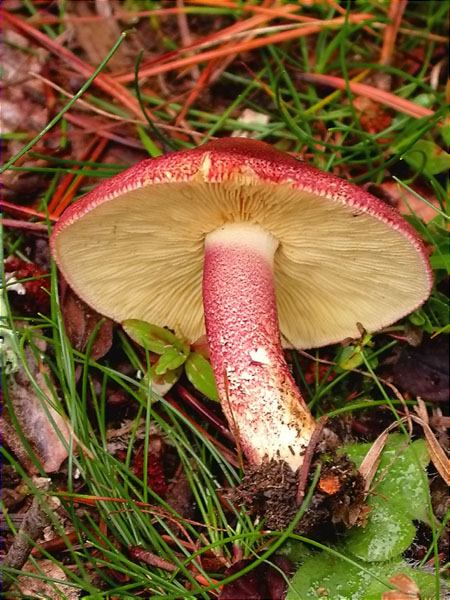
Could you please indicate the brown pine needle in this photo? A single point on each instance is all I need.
(277, 38)
(362, 89)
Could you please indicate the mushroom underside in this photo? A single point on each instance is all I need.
(341, 265)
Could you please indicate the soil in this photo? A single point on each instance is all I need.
(270, 491)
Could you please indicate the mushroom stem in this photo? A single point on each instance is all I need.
(259, 396)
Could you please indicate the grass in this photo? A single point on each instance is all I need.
(109, 510)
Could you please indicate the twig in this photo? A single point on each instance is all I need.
(151, 559)
(185, 33)
(309, 453)
(395, 14)
(31, 529)
(19, 224)
(205, 412)
(361, 89)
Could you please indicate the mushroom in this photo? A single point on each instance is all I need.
(279, 246)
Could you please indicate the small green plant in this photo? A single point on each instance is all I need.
(372, 554)
(174, 354)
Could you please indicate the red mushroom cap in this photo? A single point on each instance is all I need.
(133, 247)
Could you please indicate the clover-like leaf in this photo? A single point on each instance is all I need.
(327, 576)
(170, 360)
(151, 337)
(200, 374)
(387, 534)
(399, 494)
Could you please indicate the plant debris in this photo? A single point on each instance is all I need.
(265, 582)
(81, 321)
(28, 286)
(270, 492)
(30, 416)
(424, 371)
(153, 502)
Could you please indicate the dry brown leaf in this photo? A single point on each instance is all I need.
(373, 117)
(41, 425)
(97, 39)
(369, 465)
(80, 321)
(406, 588)
(437, 454)
(23, 106)
(31, 587)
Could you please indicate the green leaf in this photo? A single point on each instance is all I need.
(351, 357)
(419, 318)
(200, 374)
(387, 534)
(148, 143)
(424, 100)
(399, 495)
(445, 133)
(151, 337)
(425, 581)
(329, 577)
(433, 314)
(438, 306)
(170, 360)
(427, 156)
(440, 261)
(296, 551)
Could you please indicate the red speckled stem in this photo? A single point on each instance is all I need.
(259, 397)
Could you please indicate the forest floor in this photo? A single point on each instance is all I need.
(118, 473)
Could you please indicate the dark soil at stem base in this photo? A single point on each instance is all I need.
(269, 491)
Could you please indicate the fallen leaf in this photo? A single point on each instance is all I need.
(32, 586)
(30, 414)
(80, 321)
(156, 477)
(23, 106)
(119, 439)
(179, 495)
(261, 583)
(276, 583)
(96, 40)
(423, 371)
(407, 588)
(437, 454)
(371, 461)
